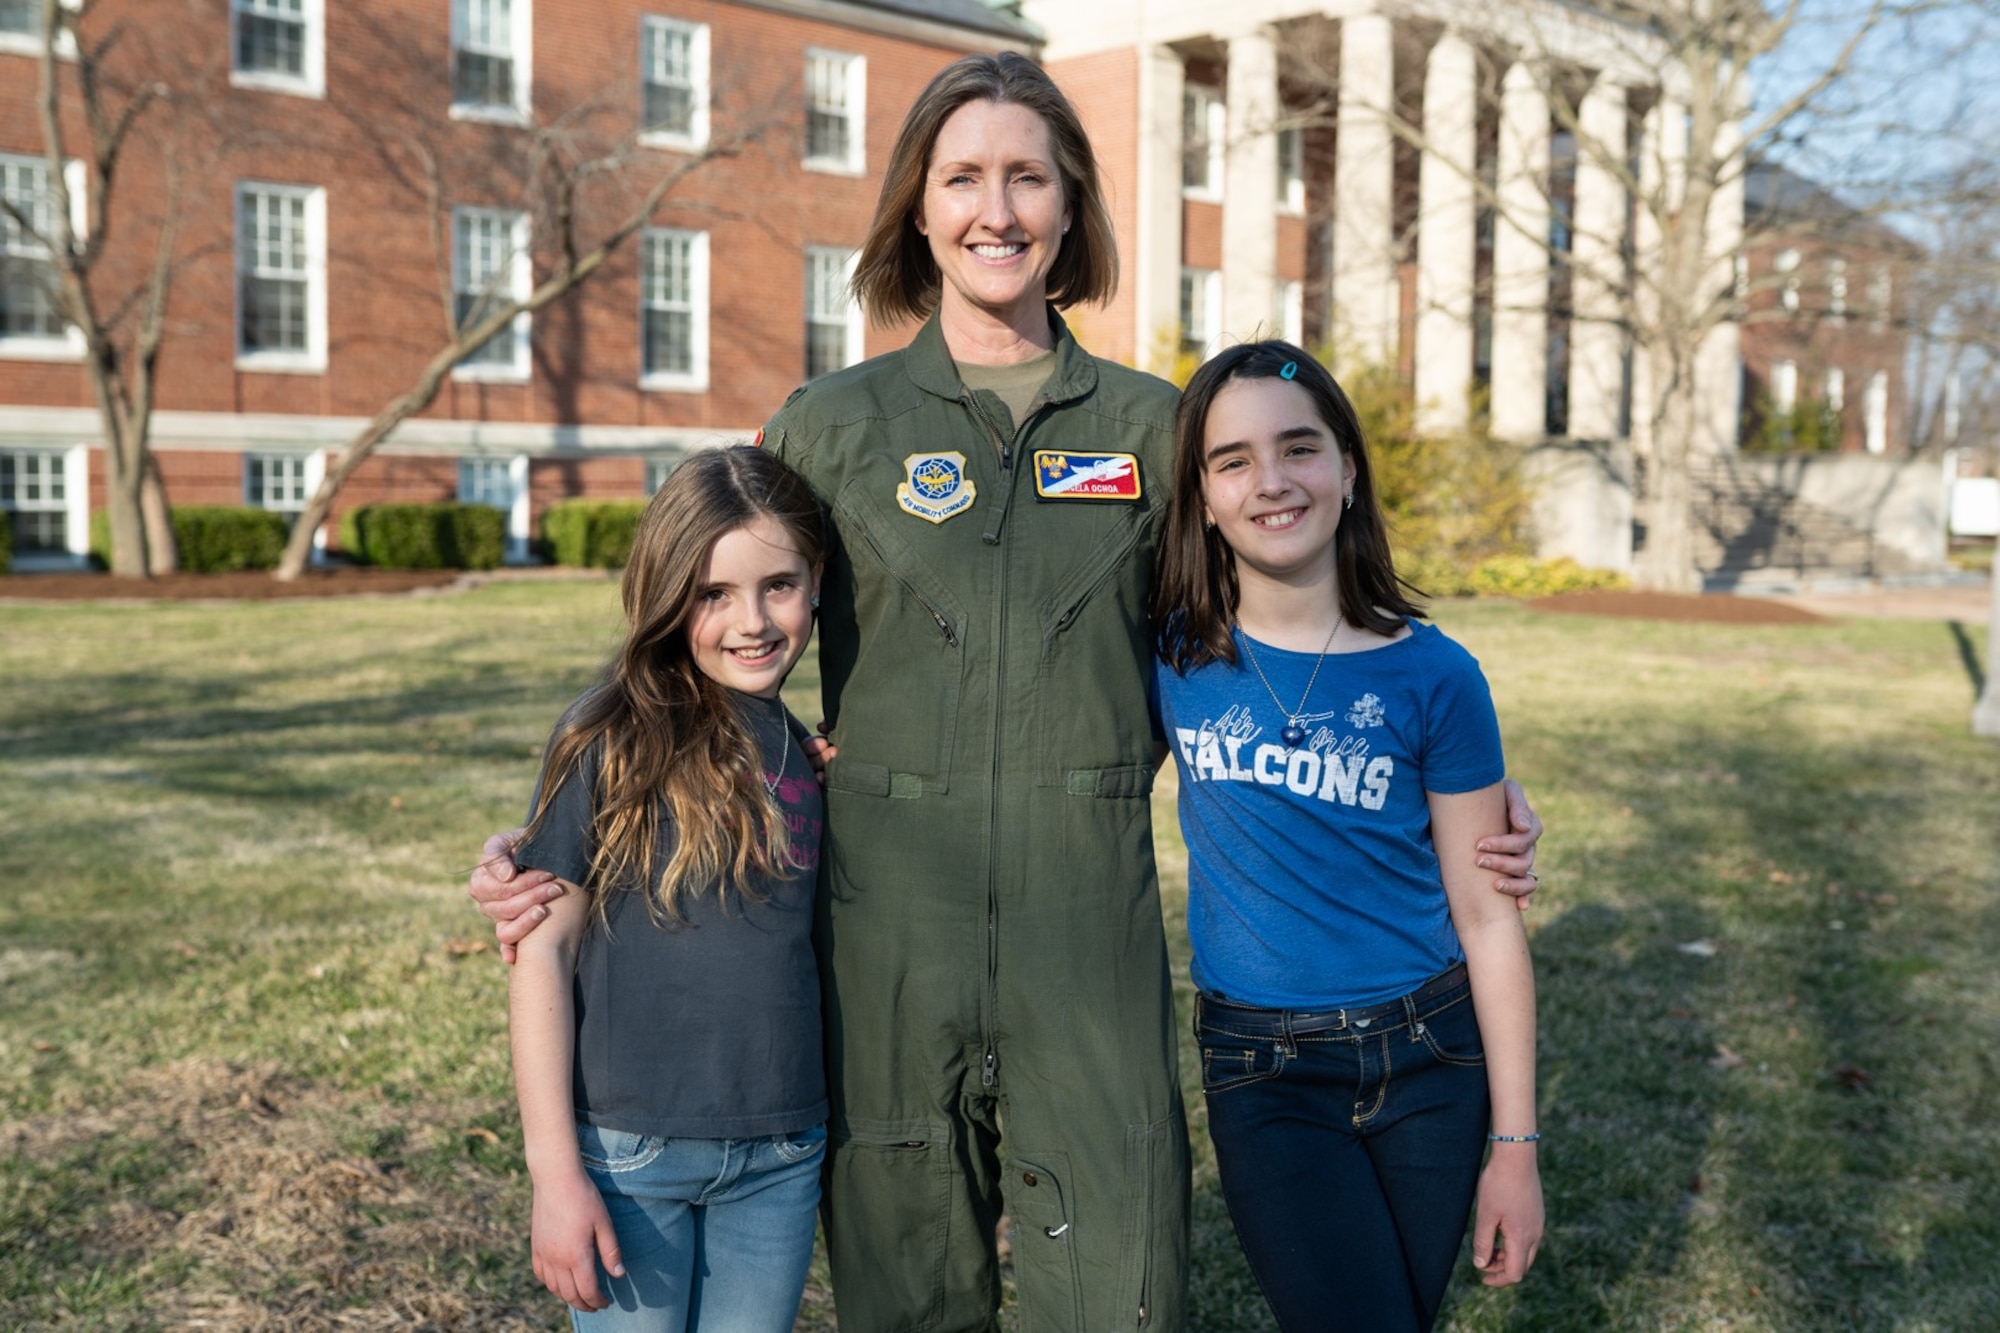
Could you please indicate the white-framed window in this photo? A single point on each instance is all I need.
(1784, 386)
(500, 483)
(1880, 288)
(486, 481)
(278, 44)
(490, 58)
(280, 277)
(673, 82)
(836, 110)
(1875, 413)
(1787, 266)
(277, 482)
(31, 321)
(657, 472)
(21, 28)
(489, 267)
(1288, 310)
(1201, 141)
(833, 317)
(34, 490)
(1201, 309)
(1292, 170)
(1836, 389)
(673, 309)
(1836, 289)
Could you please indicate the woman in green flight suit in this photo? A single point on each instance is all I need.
(997, 994)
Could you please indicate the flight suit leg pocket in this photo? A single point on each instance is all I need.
(888, 1205)
(1037, 1189)
(1154, 1254)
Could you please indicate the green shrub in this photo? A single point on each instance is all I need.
(1516, 576)
(592, 534)
(447, 535)
(1813, 426)
(213, 539)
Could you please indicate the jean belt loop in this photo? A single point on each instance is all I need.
(1416, 1024)
(1290, 1043)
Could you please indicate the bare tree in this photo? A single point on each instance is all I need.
(587, 184)
(115, 296)
(1685, 133)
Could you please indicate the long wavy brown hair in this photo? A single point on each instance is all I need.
(672, 743)
(1196, 591)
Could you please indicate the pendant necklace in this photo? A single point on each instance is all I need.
(784, 754)
(1294, 733)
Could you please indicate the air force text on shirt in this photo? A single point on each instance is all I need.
(1328, 766)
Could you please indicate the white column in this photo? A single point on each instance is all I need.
(76, 500)
(1662, 178)
(1446, 212)
(1250, 188)
(518, 509)
(1719, 360)
(315, 473)
(1365, 313)
(1156, 263)
(1596, 344)
(1521, 262)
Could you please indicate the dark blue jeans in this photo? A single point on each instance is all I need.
(1349, 1144)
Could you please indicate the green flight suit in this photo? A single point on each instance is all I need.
(997, 995)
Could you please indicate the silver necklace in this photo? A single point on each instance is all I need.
(1294, 733)
(784, 755)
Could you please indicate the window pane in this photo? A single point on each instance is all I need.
(829, 111)
(497, 350)
(670, 78)
(483, 80)
(826, 349)
(27, 298)
(669, 342)
(268, 45)
(826, 135)
(21, 16)
(274, 314)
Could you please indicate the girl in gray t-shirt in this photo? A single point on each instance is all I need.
(666, 1028)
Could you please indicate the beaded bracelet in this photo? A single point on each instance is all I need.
(1514, 1138)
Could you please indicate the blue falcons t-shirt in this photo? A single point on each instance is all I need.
(1312, 881)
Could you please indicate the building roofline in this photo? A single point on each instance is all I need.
(960, 23)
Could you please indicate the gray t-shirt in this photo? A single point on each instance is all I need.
(711, 1028)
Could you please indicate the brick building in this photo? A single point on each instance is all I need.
(355, 177)
(1822, 289)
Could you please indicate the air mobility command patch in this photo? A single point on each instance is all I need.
(1065, 475)
(937, 487)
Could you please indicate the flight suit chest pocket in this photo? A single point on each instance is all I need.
(901, 682)
(1091, 694)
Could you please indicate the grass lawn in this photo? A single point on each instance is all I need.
(252, 1059)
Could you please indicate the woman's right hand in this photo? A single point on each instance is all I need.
(570, 1231)
(515, 900)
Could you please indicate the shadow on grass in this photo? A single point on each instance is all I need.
(1749, 1038)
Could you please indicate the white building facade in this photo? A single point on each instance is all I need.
(1445, 188)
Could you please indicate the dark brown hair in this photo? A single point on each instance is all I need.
(896, 278)
(669, 734)
(1196, 592)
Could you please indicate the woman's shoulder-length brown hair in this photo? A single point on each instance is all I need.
(896, 278)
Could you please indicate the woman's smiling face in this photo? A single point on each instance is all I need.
(993, 210)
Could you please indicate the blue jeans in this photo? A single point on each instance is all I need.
(1349, 1144)
(716, 1234)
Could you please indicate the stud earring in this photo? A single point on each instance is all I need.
(1348, 503)
(815, 596)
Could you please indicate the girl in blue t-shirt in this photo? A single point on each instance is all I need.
(666, 1027)
(1365, 1003)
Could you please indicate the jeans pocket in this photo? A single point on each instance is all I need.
(612, 1151)
(1452, 1034)
(798, 1147)
(1233, 1062)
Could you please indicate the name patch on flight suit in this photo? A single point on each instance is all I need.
(937, 487)
(1064, 475)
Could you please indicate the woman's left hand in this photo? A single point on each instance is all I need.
(1513, 854)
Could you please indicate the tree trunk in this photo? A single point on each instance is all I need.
(163, 551)
(1667, 562)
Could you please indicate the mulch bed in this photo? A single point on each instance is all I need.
(249, 585)
(349, 580)
(1720, 608)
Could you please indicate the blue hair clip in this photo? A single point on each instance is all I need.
(1290, 369)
